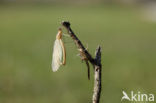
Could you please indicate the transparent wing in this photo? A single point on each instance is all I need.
(57, 55)
(64, 53)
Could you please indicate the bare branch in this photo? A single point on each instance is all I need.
(95, 62)
(97, 77)
(77, 41)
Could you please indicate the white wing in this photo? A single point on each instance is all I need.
(57, 55)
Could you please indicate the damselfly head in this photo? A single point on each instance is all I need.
(59, 34)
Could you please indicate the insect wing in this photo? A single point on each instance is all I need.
(64, 52)
(57, 55)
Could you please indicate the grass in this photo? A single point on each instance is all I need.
(27, 33)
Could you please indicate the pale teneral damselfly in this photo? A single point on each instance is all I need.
(59, 52)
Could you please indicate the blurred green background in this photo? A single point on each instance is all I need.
(126, 32)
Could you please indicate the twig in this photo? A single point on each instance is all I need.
(97, 77)
(95, 62)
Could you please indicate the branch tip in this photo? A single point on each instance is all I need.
(98, 56)
(98, 49)
(66, 23)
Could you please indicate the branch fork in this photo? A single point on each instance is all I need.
(96, 62)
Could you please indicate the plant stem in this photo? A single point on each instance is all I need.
(96, 62)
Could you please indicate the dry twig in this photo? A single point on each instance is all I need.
(96, 62)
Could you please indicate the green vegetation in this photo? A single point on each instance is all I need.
(27, 34)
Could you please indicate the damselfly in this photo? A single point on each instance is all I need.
(59, 52)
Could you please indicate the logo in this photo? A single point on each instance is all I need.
(137, 96)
